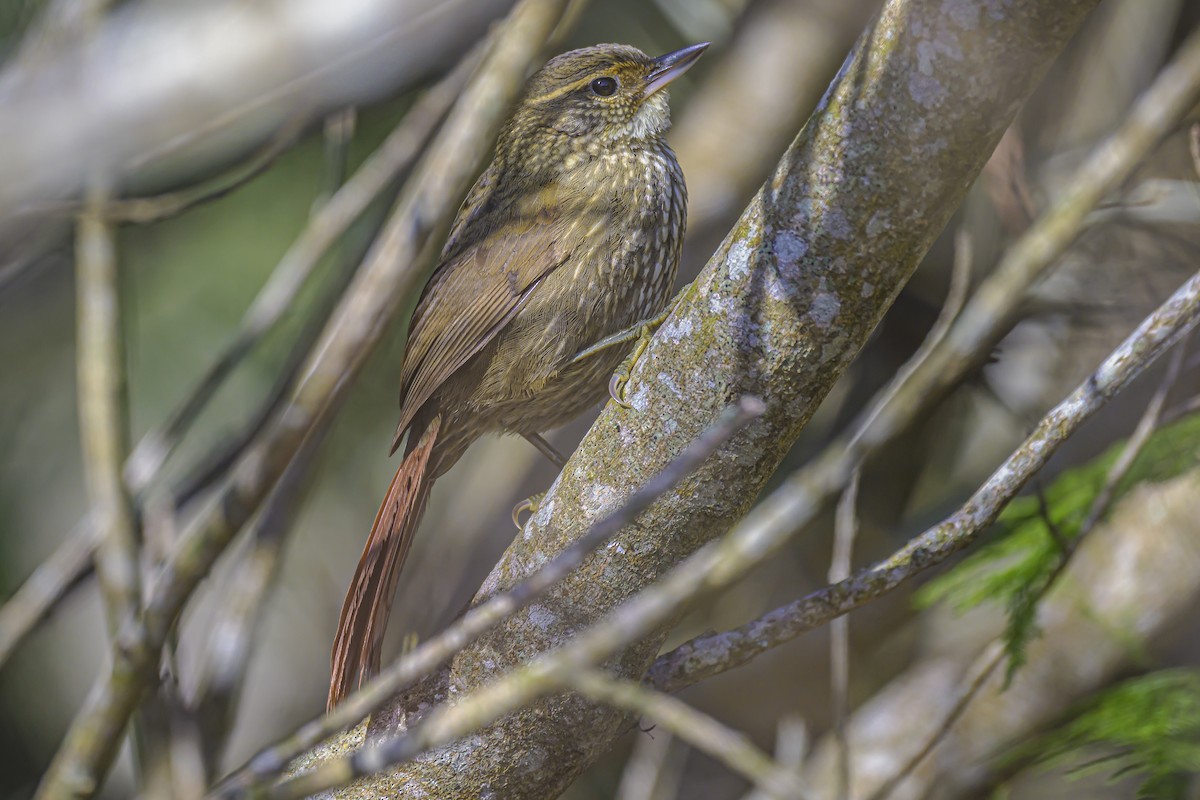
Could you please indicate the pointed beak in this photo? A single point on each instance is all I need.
(669, 67)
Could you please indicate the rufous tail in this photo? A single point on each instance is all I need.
(363, 621)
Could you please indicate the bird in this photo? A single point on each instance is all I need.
(564, 251)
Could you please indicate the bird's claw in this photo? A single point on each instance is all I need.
(620, 378)
(529, 504)
(616, 388)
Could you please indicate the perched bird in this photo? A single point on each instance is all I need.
(570, 238)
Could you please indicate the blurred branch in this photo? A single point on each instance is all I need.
(758, 93)
(653, 768)
(394, 271)
(194, 83)
(323, 229)
(144, 210)
(845, 530)
(976, 330)
(791, 745)
(222, 671)
(232, 634)
(432, 653)
(103, 416)
(49, 583)
(800, 497)
(780, 310)
(701, 731)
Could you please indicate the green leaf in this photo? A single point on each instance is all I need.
(1147, 727)
(1014, 570)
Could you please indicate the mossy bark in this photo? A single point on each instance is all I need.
(779, 312)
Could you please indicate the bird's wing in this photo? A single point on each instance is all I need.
(474, 294)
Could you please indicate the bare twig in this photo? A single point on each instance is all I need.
(797, 500)
(393, 273)
(983, 669)
(231, 639)
(103, 421)
(324, 228)
(437, 650)
(995, 654)
(791, 746)
(223, 671)
(653, 768)
(845, 530)
(701, 731)
(1194, 146)
(49, 583)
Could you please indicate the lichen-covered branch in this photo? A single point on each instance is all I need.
(781, 309)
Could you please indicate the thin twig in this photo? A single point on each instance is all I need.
(791, 746)
(103, 418)
(795, 503)
(987, 663)
(50, 582)
(655, 760)
(324, 227)
(983, 668)
(1194, 146)
(433, 652)
(696, 728)
(845, 530)
(393, 273)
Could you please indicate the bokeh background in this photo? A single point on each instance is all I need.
(188, 279)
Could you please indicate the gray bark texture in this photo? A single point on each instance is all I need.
(779, 312)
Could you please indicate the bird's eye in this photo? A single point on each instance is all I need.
(605, 87)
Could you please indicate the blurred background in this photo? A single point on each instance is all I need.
(173, 95)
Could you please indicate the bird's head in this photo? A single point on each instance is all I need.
(596, 97)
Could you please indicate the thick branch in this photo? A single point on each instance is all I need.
(159, 85)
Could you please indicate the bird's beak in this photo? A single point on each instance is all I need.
(669, 67)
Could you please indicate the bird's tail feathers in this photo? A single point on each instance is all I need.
(359, 642)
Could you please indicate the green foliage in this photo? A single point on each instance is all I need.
(1147, 727)
(1015, 570)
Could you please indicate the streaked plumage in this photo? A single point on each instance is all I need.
(572, 234)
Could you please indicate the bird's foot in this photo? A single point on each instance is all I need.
(640, 334)
(529, 504)
(620, 378)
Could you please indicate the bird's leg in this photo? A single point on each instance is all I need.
(556, 458)
(640, 333)
(545, 448)
(529, 504)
